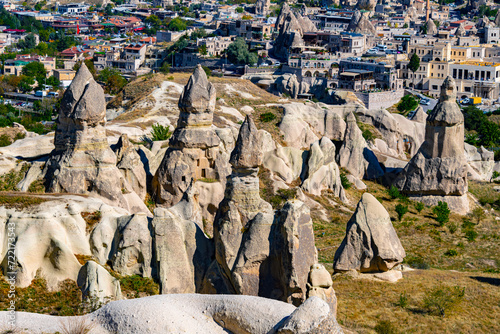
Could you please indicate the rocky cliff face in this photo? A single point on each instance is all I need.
(439, 167)
(82, 161)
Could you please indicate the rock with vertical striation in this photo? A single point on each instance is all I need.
(431, 27)
(131, 166)
(354, 154)
(97, 285)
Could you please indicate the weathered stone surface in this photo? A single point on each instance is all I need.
(400, 134)
(420, 115)
(320, 285)
(197, 101)
(431, 27)
(481, 164)
(182, 253)
(371, 243)
(302, 125)
(295, 250)
(439, 168)
(354, 154)
(97, 285)
(247, 153)
(360, 24)
(186, 313)
(306, 317)
(132, 246)
(291, 28)
(196, 150)
(366, 4)
(131, 166)
(82, 161)
(461, 30)
(321, 171)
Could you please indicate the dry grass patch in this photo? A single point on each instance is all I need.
(92, 219)
(19, 200)
(363, 304)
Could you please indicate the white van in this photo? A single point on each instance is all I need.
(381, 47)
(53, 94)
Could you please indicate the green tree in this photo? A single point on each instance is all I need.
(177, 24)
(203, 49)
(29, 42)
(112, 79)
(407, 103)
(237, 53)
(26, 83)
(413, 65)
(442, 213)
(239, 10)
(35, 69)
(53, 81)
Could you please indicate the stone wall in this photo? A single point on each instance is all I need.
(380, 99)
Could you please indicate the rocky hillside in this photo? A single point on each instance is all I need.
(227, 200)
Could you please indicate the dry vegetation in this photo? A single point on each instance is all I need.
(451, 255)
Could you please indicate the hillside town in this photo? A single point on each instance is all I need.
(360, 47)
(250, 166)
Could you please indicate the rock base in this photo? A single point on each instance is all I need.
(457, 204)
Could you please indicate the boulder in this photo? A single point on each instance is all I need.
(320, 284)
(366, 5)
(371, 243)
(97, 285)
(420, 115)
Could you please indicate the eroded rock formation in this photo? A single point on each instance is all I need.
(371, 243)
(360, 24)
(82, 161)
(194, 152)
(438, 172)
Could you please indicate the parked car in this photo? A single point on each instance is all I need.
(425, 102)
(7, 102)
(19, 103)
(465, 101)
(372, 50)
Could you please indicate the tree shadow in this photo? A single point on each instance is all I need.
(489, 280)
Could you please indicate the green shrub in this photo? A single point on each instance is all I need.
(467, 224)
(471, 235)
(137, 284)
(208, 71)
(478, 214)
(346, 184)
(442, 300)
(407, 103)
(5, 141)
(451, 252)
(394, 192)
(442, 213)
(160, 132)
(401, 210)
(368, 135)
(419, 206)
(385, 327)
(452, 227)
(267, 117)
(282, 196)
(403, 301)
(416, 262)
